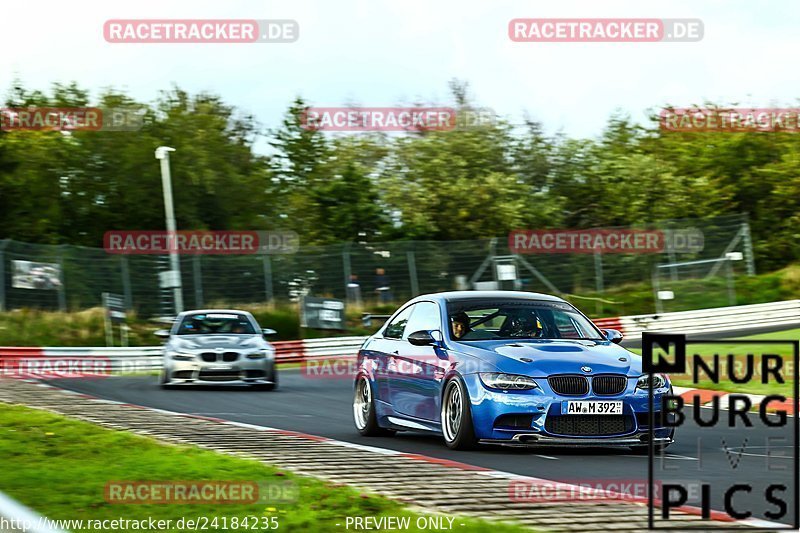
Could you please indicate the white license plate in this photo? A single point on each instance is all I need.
(591, 408)
(220, 367)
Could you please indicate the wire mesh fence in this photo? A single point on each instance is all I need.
(71, 278)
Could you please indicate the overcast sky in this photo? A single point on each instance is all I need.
(383, 53)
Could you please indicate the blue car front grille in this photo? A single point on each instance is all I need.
(569, 385)
(609, 385)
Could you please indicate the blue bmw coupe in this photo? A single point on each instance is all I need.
(503, 367)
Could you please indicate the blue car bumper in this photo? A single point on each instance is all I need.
(537, 417)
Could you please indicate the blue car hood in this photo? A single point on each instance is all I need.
(556, 357)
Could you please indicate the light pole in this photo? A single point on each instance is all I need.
(162, 154)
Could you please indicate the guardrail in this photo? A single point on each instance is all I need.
(148, 358)
(719, 319)
(79, 360)
(102, 360)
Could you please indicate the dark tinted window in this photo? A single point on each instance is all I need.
(425, 317)
(505, 318)
(396, 327)
(216, 324)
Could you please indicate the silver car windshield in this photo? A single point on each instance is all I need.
(518, 319)
(216, 324)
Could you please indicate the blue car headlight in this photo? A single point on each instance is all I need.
(259, 355)
(659, 381)
(498, 380)
(178, 356)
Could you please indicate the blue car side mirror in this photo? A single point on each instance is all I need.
(613, 335)
(424, 338)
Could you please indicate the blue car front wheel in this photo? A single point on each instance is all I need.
(457, 428)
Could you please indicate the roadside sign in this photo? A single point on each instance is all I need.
(322, 313)
(169, 279)
(114, 305)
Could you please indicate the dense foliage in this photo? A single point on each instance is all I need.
(461, 184)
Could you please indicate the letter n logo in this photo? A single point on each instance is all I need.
(664, 353)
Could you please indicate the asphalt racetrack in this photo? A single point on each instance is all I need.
(323, 407)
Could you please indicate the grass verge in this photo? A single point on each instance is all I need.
(34, 327)
(60, 467)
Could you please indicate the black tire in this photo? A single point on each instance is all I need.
(456, 417)
(162, 381)
(269, 386)
(364, 416)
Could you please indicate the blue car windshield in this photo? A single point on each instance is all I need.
(484, 319)
(216, 324)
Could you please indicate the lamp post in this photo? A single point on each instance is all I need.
(162, 154)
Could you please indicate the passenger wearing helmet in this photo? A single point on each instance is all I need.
(459, 324)
(525, 325)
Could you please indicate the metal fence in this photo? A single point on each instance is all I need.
(410, 268)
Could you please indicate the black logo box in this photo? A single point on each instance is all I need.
(675, 344)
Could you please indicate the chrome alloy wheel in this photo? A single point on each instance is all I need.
(362, 403)
(452, 407)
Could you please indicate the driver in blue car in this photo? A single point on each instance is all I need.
(459, 324)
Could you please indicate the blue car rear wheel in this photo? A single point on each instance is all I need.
(364, 410)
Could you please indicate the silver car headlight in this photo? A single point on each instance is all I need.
(178, 356)
(261, 354)
(659, 381)
(498, 380)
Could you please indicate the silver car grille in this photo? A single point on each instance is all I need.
(219, 357)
